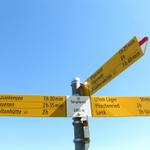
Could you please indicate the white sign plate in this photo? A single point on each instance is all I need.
(78, 106)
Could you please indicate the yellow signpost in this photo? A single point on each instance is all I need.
(32, 106)
(56, 106)
(83, 104)
(125, 57)
(113, 106)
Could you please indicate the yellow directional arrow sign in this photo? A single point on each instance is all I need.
(32, 106)
(111, 106)
(73, 106)
(125, 57)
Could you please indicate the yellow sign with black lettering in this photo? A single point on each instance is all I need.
(32, 106)
(125, 57)
(111, 106)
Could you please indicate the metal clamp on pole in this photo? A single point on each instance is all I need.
(86, 133)
(81, 129)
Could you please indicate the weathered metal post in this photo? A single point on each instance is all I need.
(80, 127)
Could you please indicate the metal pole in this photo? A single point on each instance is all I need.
(80, 140)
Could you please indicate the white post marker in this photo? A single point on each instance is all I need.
(78, 106)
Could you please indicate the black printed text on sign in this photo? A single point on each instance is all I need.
(115, 106)
(125, 57)
(32, 106)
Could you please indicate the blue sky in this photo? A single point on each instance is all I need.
(46, 43)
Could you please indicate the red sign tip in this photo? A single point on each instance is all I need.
(145, 39)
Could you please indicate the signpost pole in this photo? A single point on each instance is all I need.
(80, 140)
